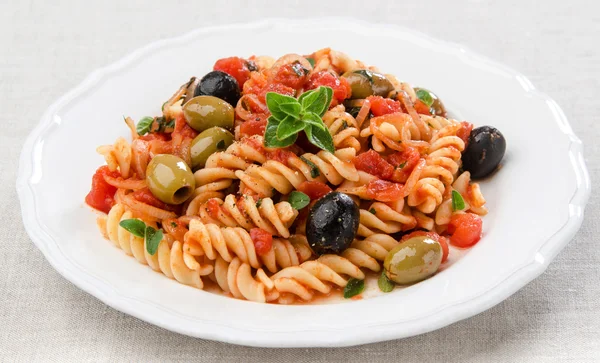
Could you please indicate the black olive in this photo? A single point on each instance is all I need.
(219, 84)
(332, 223)
(484, 152)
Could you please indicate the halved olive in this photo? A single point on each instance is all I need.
(436, 107)
(203, 112)
(365, 83)
(208, 142)
(413, 260)
(170, 179)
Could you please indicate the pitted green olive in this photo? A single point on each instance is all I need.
(203, 112)
(365, 83)
(413, 260)
(208, 142)
(170, 179)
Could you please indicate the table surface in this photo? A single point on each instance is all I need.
(49, 47)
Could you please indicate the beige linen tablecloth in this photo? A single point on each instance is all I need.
(48, 47)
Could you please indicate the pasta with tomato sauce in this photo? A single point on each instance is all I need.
(281, 180)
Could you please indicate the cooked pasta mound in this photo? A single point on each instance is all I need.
(279, 181)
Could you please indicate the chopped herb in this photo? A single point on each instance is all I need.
(144, 125)
(311, 61)
(384, 283)
(153, 238)
(353, 288)
(298, 200)
(258, 202)
(134, 226)
(425, 97)
(458, 203)
(344, 125)
(402, 165)
(173, 224)
(430, 125)
(314, 170)
(373, 211)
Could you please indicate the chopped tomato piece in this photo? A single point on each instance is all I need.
(404, 162)
(262, 239)
(373, 163)
(465, 229)
(465, 131)
(236, 67)
(102, 194)
(422, 108)
(255, 126)
(384, 191)
(434, 236)
(314, 189)
(292, 75)
(213, 207)
(341, 87)
(277, 88)
(383, 106)
(182, 128)
(146, 196)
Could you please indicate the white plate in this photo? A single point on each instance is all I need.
(536, 200)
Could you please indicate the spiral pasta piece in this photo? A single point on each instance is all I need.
(382, 218)
(246, 213)
(311, 275)
(118, 156)
(235, 277)
(343, 127)
(174, 259)
(442, 164)
(471, 194)
(220, 168)
(275, 176)
(229, 242)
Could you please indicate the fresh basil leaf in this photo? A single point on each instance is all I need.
(313, 119)
(134, 226)
(425, 96)
(153, 238)
(353, 288)
(458, 203)
(173, 224)
(289, 127)
(311, 61)
(373, 211)
(314, 170)
(320, 138)
(144, 125)
(271, 140)
(298, 200)
(316, 100)
(384, 283)
(274, 100)
(291, 109)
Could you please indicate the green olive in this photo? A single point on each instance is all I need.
(413, 260)
(365, 83)
(170, 179)
(203, 112)
(437, 107)
(208, 142)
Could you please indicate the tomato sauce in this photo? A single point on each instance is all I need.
(146, 196)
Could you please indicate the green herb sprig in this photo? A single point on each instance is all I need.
(290, 116)
(151, 236)
(298, 200)
(458, 203)
(353, 288)
(384, 283)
